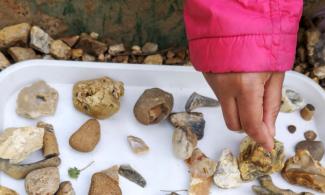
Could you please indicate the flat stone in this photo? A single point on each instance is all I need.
(60, 50)
(16, 144)
(20, 54)
(315, 148)
(227, 174)
(14, 34)
(37, 100)
(71, 40)
(91, 46)
(154, 59)
(4, 62)
(319, 72)
(184, 143)
(150, 47)
(137, 145)
(40, 40)
(131, 174)
(115, 49)
(103, 184)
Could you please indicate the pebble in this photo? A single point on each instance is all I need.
(310, 135)
(65, 189)
(60, 50)
(94, 35)
(307, 112)
(291, 100)
(103, 184)
(129, 173)
(154, 59)
(292, 128)
(150, 47)
(116, 49)
(136, 49)
(20, 54)
(319, 72)
(101, 58)
(86, 137)
(7, 191)
(14, 34)
(184, 143)
(71, 40)
(121, 59)
(76, 53)
(137, 145)
(91, 46)
(315, 148)
(88, 58)
(40, 40)
(4, 62)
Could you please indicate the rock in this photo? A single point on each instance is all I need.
(196, 101)
(20, 54)
(50, 143)
(129, 173)
(292, 129)
(310, 135)
(268, 188)
(184, 143)
(94, 35)
(103, 184)
(154, 59)
(189, 120)
(43, 181)
(121, 59)
(291, 101)
(76, 53)
(71, 40)
(170, 54)
(37, 100)
(88, 58)
(112, 172)
(153, 106)
(303, 170)
(65, 189)
(12, 35)
(99, 98)
(86, 137)
(136, 50)
(7, 191)
(307, 112)
(174, 61)
(40, 40)
(200, 186)
(254, 161)
(4, 62)
(60, 50)
(319, 72)
(137, 145)
(101, 58)
(315, 148)
(16, 144)
(48, 57)
(200, 165)
(20, 171)
(116, 49)
(150, 47)
(227, 174)
(91, 46)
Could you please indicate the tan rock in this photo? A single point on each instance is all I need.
(65, 189)
(20, 54)
(40, 40)
(200, 165)
(150, 47)
(7, 191)
(88, 58)
(86, 137)
(60, 50)
(71, 40)
(115, 49)
(154, 59)
(12, 35)
(184, 143)
(16, 144)
(99, 98)
(303, 170)
(94, 35)
(200, 186)
(91, 46)
(103, 184)
(4, 62)
(37, 100)
(136, 49)
(76, 53)
(121, 59)
(137, 145)
(50, 143)
(112, 172)
(319, 72)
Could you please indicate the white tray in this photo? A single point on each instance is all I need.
(160, 168)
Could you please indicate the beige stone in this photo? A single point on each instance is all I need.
(4, 62)
(7, 191)
(60, 50)
(40, 40)
(154, 59)
(115, 49)
(12, 35)
(150, 47)
(76, 54)
(137, 145)
(20, 54)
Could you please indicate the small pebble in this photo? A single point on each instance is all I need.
(292, 128)
(307, 112)
(310, 135)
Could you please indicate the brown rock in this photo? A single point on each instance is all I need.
(310, 135)
(65, 189)
(40, 40)
(91, 46)
(7, 191)
(292, 128)
(112, 172)
(307, 112)
(315, 148)
(154, 59)
(121, 59)
(60, 50)
(150, 47)
(303, 170)
(103, 184)
(76, 54)
(115, 49)
(88, 58)
(12, 35)
(50, 143)
(86, 137)
(4, 62)
(71, 40)
(21, 54)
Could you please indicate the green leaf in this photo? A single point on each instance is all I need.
(74, 172)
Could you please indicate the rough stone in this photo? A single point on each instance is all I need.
(136, 50)
(112, 172)
(4, 62)
(154, 59)
(20, 54)
(200, 186)
(94, 35)
(315, 148)
(150, 47)
(12, 35)
(310, 135)
(227, 174)
(71, 40)
(88, 58)
(91, 46)
(37, 100)
(129, 173)
(116, 49)
(254, 161)
(291, 101)
(184, 143)
(137, 145)
(76, 53)
(319, 72)
(200, 165)
(50, 143)
(99, 98)
(60, 50)
(196, 101)
(65, 189)
(16, 144)
(7, 191)
(103, 184)
(40, 40)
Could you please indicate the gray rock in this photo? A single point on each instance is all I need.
(129, 173)
(315, 148)
(40, 40)
(291, 101)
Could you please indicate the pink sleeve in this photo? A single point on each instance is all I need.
(242, 35)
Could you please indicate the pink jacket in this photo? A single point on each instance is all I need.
(242, 35)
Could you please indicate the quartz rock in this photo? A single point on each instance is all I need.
(150, 47)
(196, 101)
(137, 145)
(254, 161)
(200, 165)
(227, 174)
(16, 144)
(60, 50)
(65, 189)
(315, 148)
(291, 101)
(319, 72)
(12, 35)
(7, 191)
(303, 170)
(4, 62)
(37, 100)
(20, 54)
(40, 40)
(200, 186)
(91, 46)
(129, 173)
(99, 98)
(184, 143)
(154, 59)
(115, 49)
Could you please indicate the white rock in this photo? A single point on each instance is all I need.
(40, 40)
(16, 144)
(291, 100)
(184, 143)
(115, 49)
(227, 174)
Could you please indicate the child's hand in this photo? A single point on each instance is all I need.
(250, 102)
